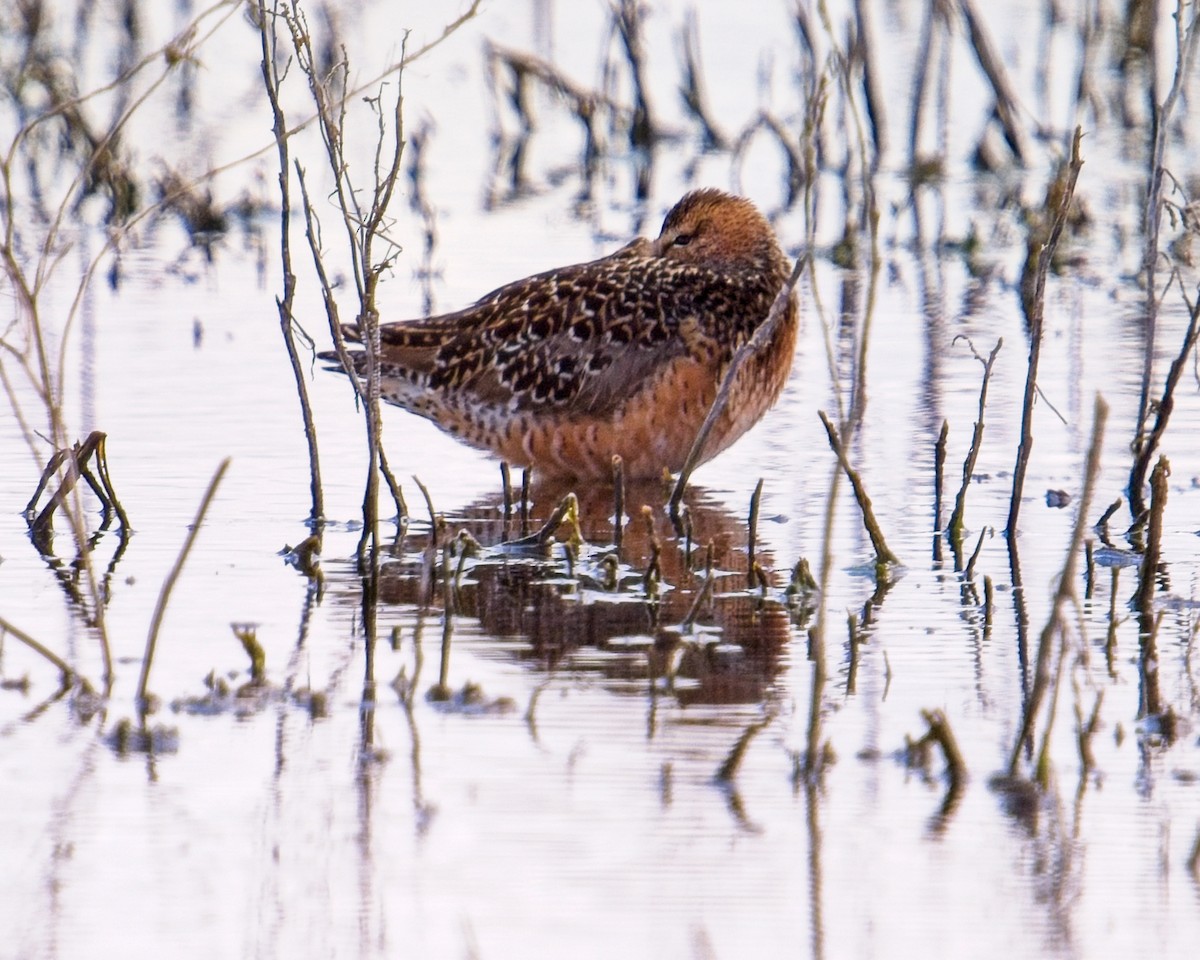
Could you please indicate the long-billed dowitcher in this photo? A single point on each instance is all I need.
(621, 355)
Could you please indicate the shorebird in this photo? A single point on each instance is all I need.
(618, 356)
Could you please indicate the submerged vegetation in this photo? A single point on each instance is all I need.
(650, 588)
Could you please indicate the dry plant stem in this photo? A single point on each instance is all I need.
(1086, 732)
(993, 67)
(525, 503)
(618, 466)
(883, 555)
(960, 504)
(969, 570)
(644, 130)
(347, 96)
(939, 470)
(47, 252)
(1064, 595)
(935, 20)
(68, 675)
(1070, 176)
(757, 342)
(692, 91)
(1151, 558)
(506, 488)
(1145, 446)
(728, 770)
(941, 734)
(1148, 620)
(871, 92)
(702, 595)
(1185, 45)
(272, 82)
(160, 608)
(567, 511)
(752, 536)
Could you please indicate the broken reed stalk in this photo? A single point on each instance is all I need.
(618, 467)
(67, 673)
(506, 488)
(955, 528)
(761, 337)
(525, 502)
(287, 322)
(969, 570)
(441, 690)
(939, 732)
(1064, 595)
(939, 470)
(75, 461)
(1145, 446)
(1185, 43)
(702, 595)
(733, 762)
(883, 555)
(1148, 621)
(160, 608)
(1152, 557)
(567, 512)
(752, 536)
(1063, 188)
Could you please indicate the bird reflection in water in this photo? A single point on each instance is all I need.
(597, 613)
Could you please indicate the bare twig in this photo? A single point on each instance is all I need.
(960, 503)
(1146, 445)
(883, 555)
(68, 674)
(1064, 189)
(761, 337)
(160, 608)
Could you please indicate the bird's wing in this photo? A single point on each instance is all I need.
(583, 337)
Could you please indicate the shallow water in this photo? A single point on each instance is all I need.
(569, 804)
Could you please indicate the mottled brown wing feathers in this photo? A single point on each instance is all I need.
(584, 336)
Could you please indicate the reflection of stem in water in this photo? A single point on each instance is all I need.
(67, 674)
(752, 536)
(441, 691)
(733, 762)
(1064, 596)
(1058, 199)
(812, 806)
(955, 529)
(1151, 698)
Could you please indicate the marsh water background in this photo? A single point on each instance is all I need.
(572, 807)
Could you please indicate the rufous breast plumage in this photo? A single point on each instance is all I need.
(618, 356)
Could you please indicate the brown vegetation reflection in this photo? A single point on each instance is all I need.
(673, 612)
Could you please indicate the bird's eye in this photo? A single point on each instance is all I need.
(682, 240)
